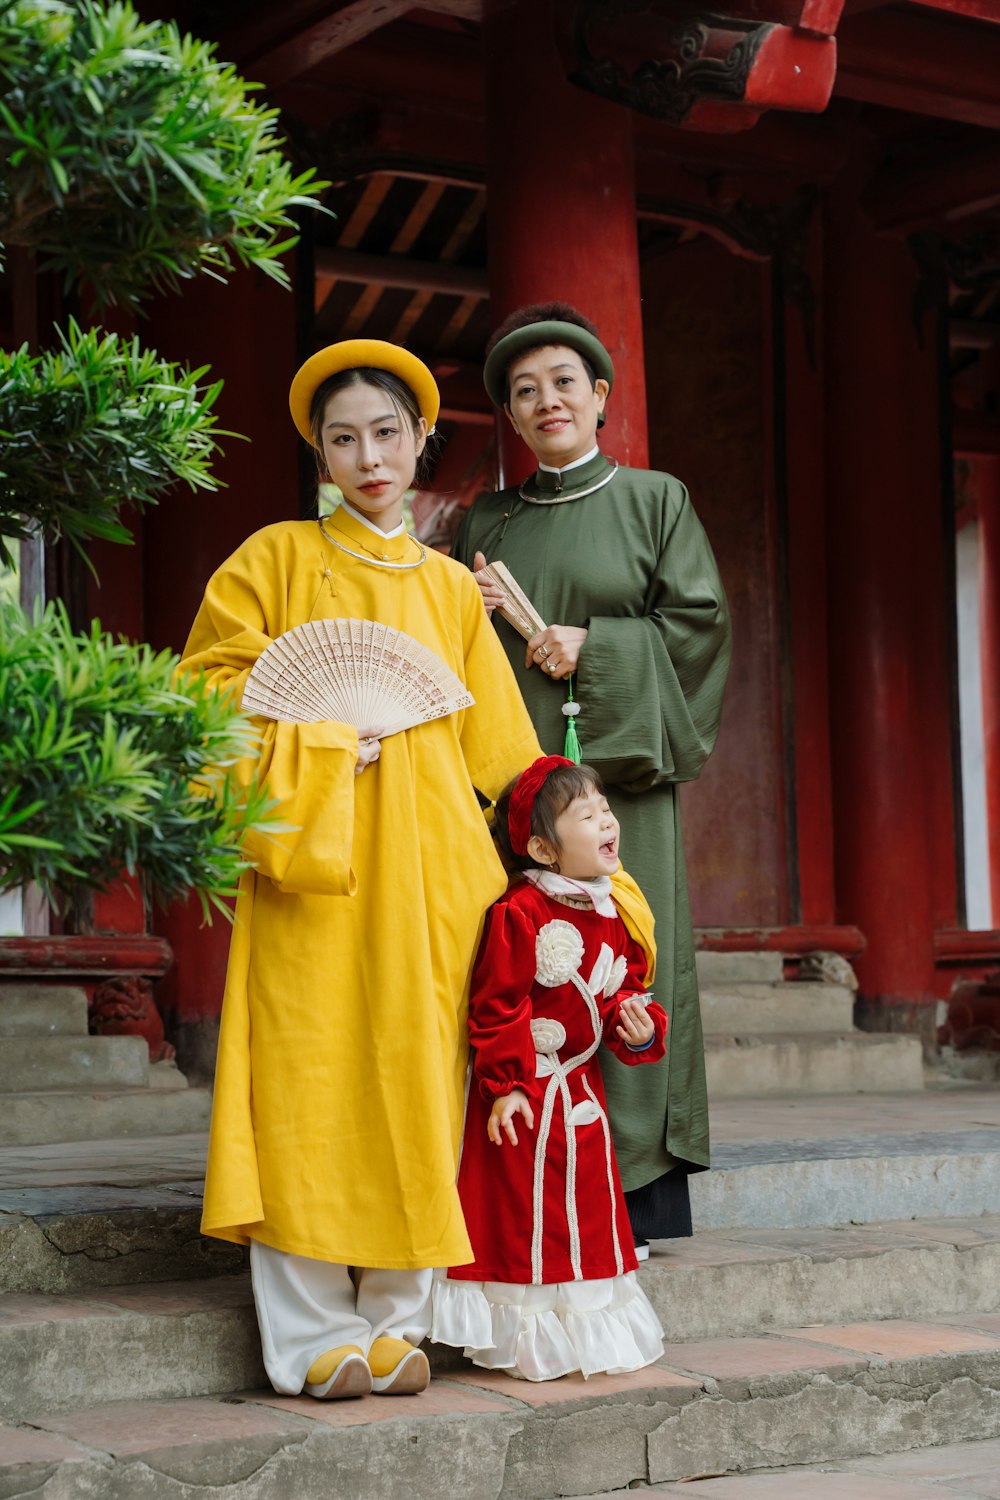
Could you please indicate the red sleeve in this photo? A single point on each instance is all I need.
(500, 1003)
(633, 984)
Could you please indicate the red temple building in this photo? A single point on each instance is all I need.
(784, 218)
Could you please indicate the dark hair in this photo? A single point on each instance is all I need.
(560, 787)
(403, 400)
(543, 312)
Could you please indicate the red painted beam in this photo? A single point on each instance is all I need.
(956, 945)
(84, 956)
(398, 271)
(849, 941)
(900, 202)
(921, 63)
(818, 16)
(979, 10)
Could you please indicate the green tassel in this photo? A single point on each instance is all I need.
(571, 748)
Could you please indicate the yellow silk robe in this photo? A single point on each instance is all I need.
(342, 1055)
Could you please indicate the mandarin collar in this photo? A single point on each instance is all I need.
(361, 538)
(548, 482)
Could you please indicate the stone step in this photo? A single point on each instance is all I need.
(731, 1283)
(842, 1178)
(715, 969)
(745, 1066)
(794, 1397)
(45, 1117)
(79, 1239)
(134, 1342)
(42, 1010)
(710, 1287)
(53, 1062)
(757, 1009)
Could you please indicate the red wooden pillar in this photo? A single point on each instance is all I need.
(888, 608)
(989, 646)
(562, 224)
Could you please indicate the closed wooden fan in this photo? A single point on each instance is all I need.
(355, 671)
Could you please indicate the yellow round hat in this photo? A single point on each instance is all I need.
(352, 354)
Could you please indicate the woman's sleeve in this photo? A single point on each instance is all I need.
(308, 769)
(498, 738)
(651, 686)
(500, 1004)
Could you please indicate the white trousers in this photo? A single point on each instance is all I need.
(306, 1307)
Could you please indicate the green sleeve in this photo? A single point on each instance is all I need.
(462, 547)
(651, 686)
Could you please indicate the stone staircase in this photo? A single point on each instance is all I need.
(130, 1365)
(59, 1084)
(766, 1035)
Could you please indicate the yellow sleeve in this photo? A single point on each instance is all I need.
(635, 913)
(498, 737)
(308, 769)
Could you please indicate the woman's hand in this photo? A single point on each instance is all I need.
(491, 592)
(634, 1025)
(556, 649)
(369, 750)
(505, 1107)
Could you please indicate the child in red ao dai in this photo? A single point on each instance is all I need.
(553, 1287)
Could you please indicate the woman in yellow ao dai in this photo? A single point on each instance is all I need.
(342, 1057)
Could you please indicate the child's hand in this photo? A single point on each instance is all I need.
(634, 1024)
(502, 1116)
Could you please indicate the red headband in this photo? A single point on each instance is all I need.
(522, 799)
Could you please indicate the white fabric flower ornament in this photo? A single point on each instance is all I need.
(558, 953)
(547, 1035)
(616, 978)
(608, 973)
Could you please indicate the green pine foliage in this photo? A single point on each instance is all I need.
(94, 425)
(133, 159)
(108, 761)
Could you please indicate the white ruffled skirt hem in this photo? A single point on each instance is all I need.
(543, 1332)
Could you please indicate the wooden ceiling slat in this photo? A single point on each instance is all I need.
(413, 224)
(354, 230)
(370, 202)
(450, 251)
(458, 321)
(346, 23)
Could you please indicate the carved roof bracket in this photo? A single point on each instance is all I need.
(689, 67)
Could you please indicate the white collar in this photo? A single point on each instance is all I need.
(396, 531)
(597, 891)
(574, 465)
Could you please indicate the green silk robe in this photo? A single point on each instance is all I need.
(632, 564)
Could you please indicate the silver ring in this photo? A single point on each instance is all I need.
(551, 665)
(543, 651)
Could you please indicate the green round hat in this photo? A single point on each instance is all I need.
(541, 336)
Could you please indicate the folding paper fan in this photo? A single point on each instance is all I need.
(356, 671)
(517, 609)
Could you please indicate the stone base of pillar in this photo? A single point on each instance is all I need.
(900, 1015)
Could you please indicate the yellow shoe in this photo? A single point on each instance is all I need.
(338, 1374)
(398, 1369)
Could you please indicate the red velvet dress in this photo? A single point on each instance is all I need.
(548, 1212)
